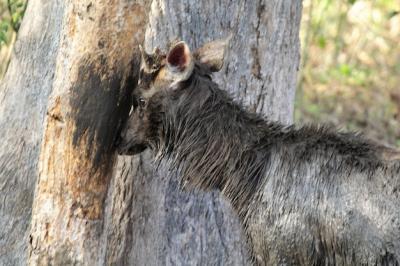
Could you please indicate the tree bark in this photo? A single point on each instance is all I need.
(80, 53)
(150, 220)
(23, 100)
(89, 101)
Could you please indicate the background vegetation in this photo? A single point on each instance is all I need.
(11, 13)
(350, 71)
(350, 74)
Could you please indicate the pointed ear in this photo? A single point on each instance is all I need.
(143, 53)
(151, 62)
(180, 61)
(144, 56)
(212, 54)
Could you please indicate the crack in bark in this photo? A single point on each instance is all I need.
(256, 67)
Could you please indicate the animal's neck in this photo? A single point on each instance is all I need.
(214, 145)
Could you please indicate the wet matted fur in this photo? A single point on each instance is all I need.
(305, 196)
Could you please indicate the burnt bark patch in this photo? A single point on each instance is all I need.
(100, 102)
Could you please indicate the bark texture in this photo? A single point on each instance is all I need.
(23, 100)
(90, 98)
(150, 220)
(80, 53)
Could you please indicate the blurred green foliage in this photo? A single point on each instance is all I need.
(350, 70)
(3, 32)
(11, 13)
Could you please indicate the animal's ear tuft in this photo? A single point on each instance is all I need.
(180, 61)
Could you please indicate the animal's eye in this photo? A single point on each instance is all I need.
(142, 102)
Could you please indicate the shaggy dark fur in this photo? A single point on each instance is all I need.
(308, 196)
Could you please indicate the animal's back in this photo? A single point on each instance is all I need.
(323, 209)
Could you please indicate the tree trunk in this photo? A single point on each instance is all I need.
(150, 220)
(23, 101)
(90, 99)
(80, 53)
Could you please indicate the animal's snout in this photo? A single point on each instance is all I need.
(128, 147)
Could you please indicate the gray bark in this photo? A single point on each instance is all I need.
(23, 101)
(151, 221)
(147, 220)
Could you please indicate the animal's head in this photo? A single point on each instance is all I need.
(161, 74)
